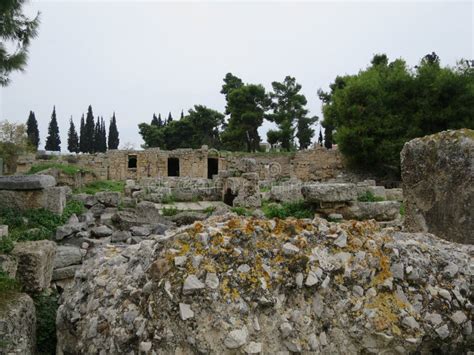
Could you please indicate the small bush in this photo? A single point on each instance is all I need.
(170, 211)
(168, 199)
(66, 169)
(369, 197)
(102, 185)
(7, 284)
(402, 209)
(241, 211)
(209, 210)
(298, 209)
(46, 308)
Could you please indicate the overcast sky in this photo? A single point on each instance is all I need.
(137, 58)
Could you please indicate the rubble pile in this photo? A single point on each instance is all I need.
(245, 285)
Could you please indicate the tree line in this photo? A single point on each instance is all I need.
(247, 106)
(372, 114)
(92, 136)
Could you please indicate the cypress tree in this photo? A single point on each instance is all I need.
(72, 138)
(328, 136)
(82, 136)
(182, 114)
(170, 118)
(114, 141)
(160, 121)
(89, 129)
(53, 142)
(97, 136)
(103, 136)
(32, 130)
(320, 139)
(154, 121)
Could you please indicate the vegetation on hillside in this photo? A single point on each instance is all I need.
(65, 168)
(102, 185)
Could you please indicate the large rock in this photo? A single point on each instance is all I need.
(333, 192)
(380, 211)
(67, 255)
(344, 288)
(286, 193)
(9, 265)
(26, 182)
(35, 264)
(438, 185)
(50, 198)
(108, 198)
(17, 324)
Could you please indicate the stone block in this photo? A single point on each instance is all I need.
(3, 231)
(18, 325)
(35, 264)
(380, 211)
(26, 182)
(333, 192)
(67, 255)
(286, 193)
(66, 272)
(108, 198)
(394, 194)
(8, 264)
(50, 198)
(438, 185)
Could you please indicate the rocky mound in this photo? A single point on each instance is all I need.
(233, 285)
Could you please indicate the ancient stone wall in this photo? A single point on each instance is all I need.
(309, 165)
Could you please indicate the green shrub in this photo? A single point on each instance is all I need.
(369, 197)
(7, 284)
(209, 210)
(102, 185)
(241, 211)
(168, 199)
(402, 209)
(34, 224)
(66, 169)
(299, 209)
(169, 211)
(46, 308)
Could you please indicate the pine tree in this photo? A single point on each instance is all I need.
(72, 138)
(82, 136)
(114, 141)
(53, 142)
(155, 121)
(89, 129)
(32, 130)
(320, 139)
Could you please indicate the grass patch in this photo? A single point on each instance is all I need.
(7, 284)
(168, 199)
(34, 224)
(102, 185)
(299, 209)
(46, 308)
(169, 211)
(265, 189)
(241, 211)
(402, 209)
(66, 169)
(369, 197)
(209, 210)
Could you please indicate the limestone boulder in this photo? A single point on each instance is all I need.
(331, 192)
(9, 265)
(17, 325)
(108, 198)
(26, 182)
(35, 264)
(438, 185)
(380, 211)
(286, 193)
(67, 255)
(188, 217)
(50, 198)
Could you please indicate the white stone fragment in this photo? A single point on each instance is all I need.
(180, 260)
(290, 249)
(192, 284)
(253, 348)
(236, 338)
(212, 281)
(458, 317)
(185, 311)
(312, 279)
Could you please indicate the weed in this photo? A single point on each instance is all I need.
(299, 209)
(402, 209)
(168, 199)
(46, 307)
(66, 169)
(170, 211)
(7, 284)
(265, 189)
(241, 211)
(102, 185)
(369, 197)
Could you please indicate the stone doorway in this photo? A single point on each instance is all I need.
(212, 167)
(173, 167)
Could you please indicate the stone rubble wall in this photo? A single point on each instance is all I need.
(317, 164)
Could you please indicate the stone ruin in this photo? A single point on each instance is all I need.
(32, 191)
(136, 281)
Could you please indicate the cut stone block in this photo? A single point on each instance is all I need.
(35, 264)
(26, 182)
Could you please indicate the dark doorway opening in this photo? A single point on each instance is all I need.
(212, 167)
(229, 197)
(132, 161)
(173, 167)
